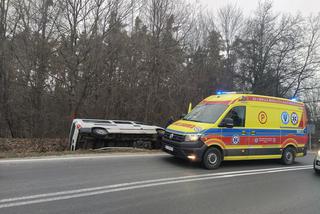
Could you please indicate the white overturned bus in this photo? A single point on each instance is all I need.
(94, 134)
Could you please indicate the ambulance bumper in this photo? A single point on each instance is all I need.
(185, 150)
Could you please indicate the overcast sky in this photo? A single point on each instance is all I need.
(288, 6)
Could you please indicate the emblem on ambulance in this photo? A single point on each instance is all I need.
(235, 139)
(262, 117)
(171, 136)
(285, 117)
(294, 118)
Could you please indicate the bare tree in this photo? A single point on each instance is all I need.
(142, 60)
(230, 24)
(4, 71)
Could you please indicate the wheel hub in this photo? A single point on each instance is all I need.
(212, 158)
(289, 156)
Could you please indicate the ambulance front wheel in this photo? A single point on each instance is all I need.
(288, 156)
(212, 158)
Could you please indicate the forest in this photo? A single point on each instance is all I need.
(144, 60)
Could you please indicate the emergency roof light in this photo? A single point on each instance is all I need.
(294, 99)
(220, 92)
(225, 92)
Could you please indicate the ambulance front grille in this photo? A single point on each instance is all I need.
(174, 137)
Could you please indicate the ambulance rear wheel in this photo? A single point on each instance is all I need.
(288, 156)
(212, 158)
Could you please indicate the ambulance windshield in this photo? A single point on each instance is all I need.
(206, 113)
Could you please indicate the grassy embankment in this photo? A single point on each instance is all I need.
(19, 148)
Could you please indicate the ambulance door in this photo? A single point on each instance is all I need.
(236, 138)
(264, 137)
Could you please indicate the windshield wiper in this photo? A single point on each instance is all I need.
(195, 121)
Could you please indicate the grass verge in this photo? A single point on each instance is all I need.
(21, 148)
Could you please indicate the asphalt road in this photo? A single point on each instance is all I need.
(156, 183)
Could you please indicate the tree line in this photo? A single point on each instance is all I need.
(142, 60)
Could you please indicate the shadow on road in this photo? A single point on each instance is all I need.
(316, 174)
(228, 165)
(181, 163)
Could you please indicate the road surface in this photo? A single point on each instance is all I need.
(156, 183)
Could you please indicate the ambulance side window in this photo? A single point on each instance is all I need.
(238, 114)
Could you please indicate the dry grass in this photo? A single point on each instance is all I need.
(19, 148)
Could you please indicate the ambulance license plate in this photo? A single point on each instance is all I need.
(168, 148)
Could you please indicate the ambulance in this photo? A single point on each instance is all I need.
(232, 126)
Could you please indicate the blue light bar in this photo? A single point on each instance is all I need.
(220, 92)
(294, 99)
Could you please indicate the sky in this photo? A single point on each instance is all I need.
(305, 7)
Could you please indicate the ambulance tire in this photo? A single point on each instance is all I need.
(288, 156)
(212, 158)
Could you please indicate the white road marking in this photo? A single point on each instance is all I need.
(85, 192)
(84, 157)
(80, 157)
(143, 182)
(140, 182)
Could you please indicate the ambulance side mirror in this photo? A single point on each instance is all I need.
(226, 122)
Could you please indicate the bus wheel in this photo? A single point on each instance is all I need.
(288, 156)
(212, 158)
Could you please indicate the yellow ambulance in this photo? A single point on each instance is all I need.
(232, 126)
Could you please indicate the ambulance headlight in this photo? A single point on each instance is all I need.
(318, 154)
(192, 137)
